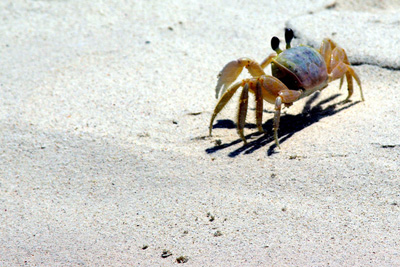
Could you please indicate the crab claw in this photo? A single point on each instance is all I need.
(230, 73)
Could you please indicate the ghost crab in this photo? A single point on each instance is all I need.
(296, 73)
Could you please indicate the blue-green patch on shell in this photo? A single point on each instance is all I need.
(305, 63)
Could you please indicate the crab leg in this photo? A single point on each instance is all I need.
(350, 90)
(343, 69)
(338, 66)
(341, 83)
(222, 102)
(266, 88)
(243, 103)
(325, 50)
(233, 69)
(268, 60)
(339, 55)
(274, 91)
(277, 118)
(259, 106)
(285, 96)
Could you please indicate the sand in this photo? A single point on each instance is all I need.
(105, 158)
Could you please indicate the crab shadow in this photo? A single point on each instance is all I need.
(289, 125)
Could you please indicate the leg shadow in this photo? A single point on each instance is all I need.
(289, 125)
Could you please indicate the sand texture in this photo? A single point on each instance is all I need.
(105, 158)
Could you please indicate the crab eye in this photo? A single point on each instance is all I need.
(288, 37)
(275, 44)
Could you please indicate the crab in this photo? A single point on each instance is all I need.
(297, 72)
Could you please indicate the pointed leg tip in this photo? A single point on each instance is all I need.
(277, 144)
(276, 139)
(242, 137)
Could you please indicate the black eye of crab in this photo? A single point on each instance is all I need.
(288, 37)
(275, 44)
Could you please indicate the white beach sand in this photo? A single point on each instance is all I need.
(105, 158)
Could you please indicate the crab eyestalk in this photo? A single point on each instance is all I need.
(275, 45)
(288, 37)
